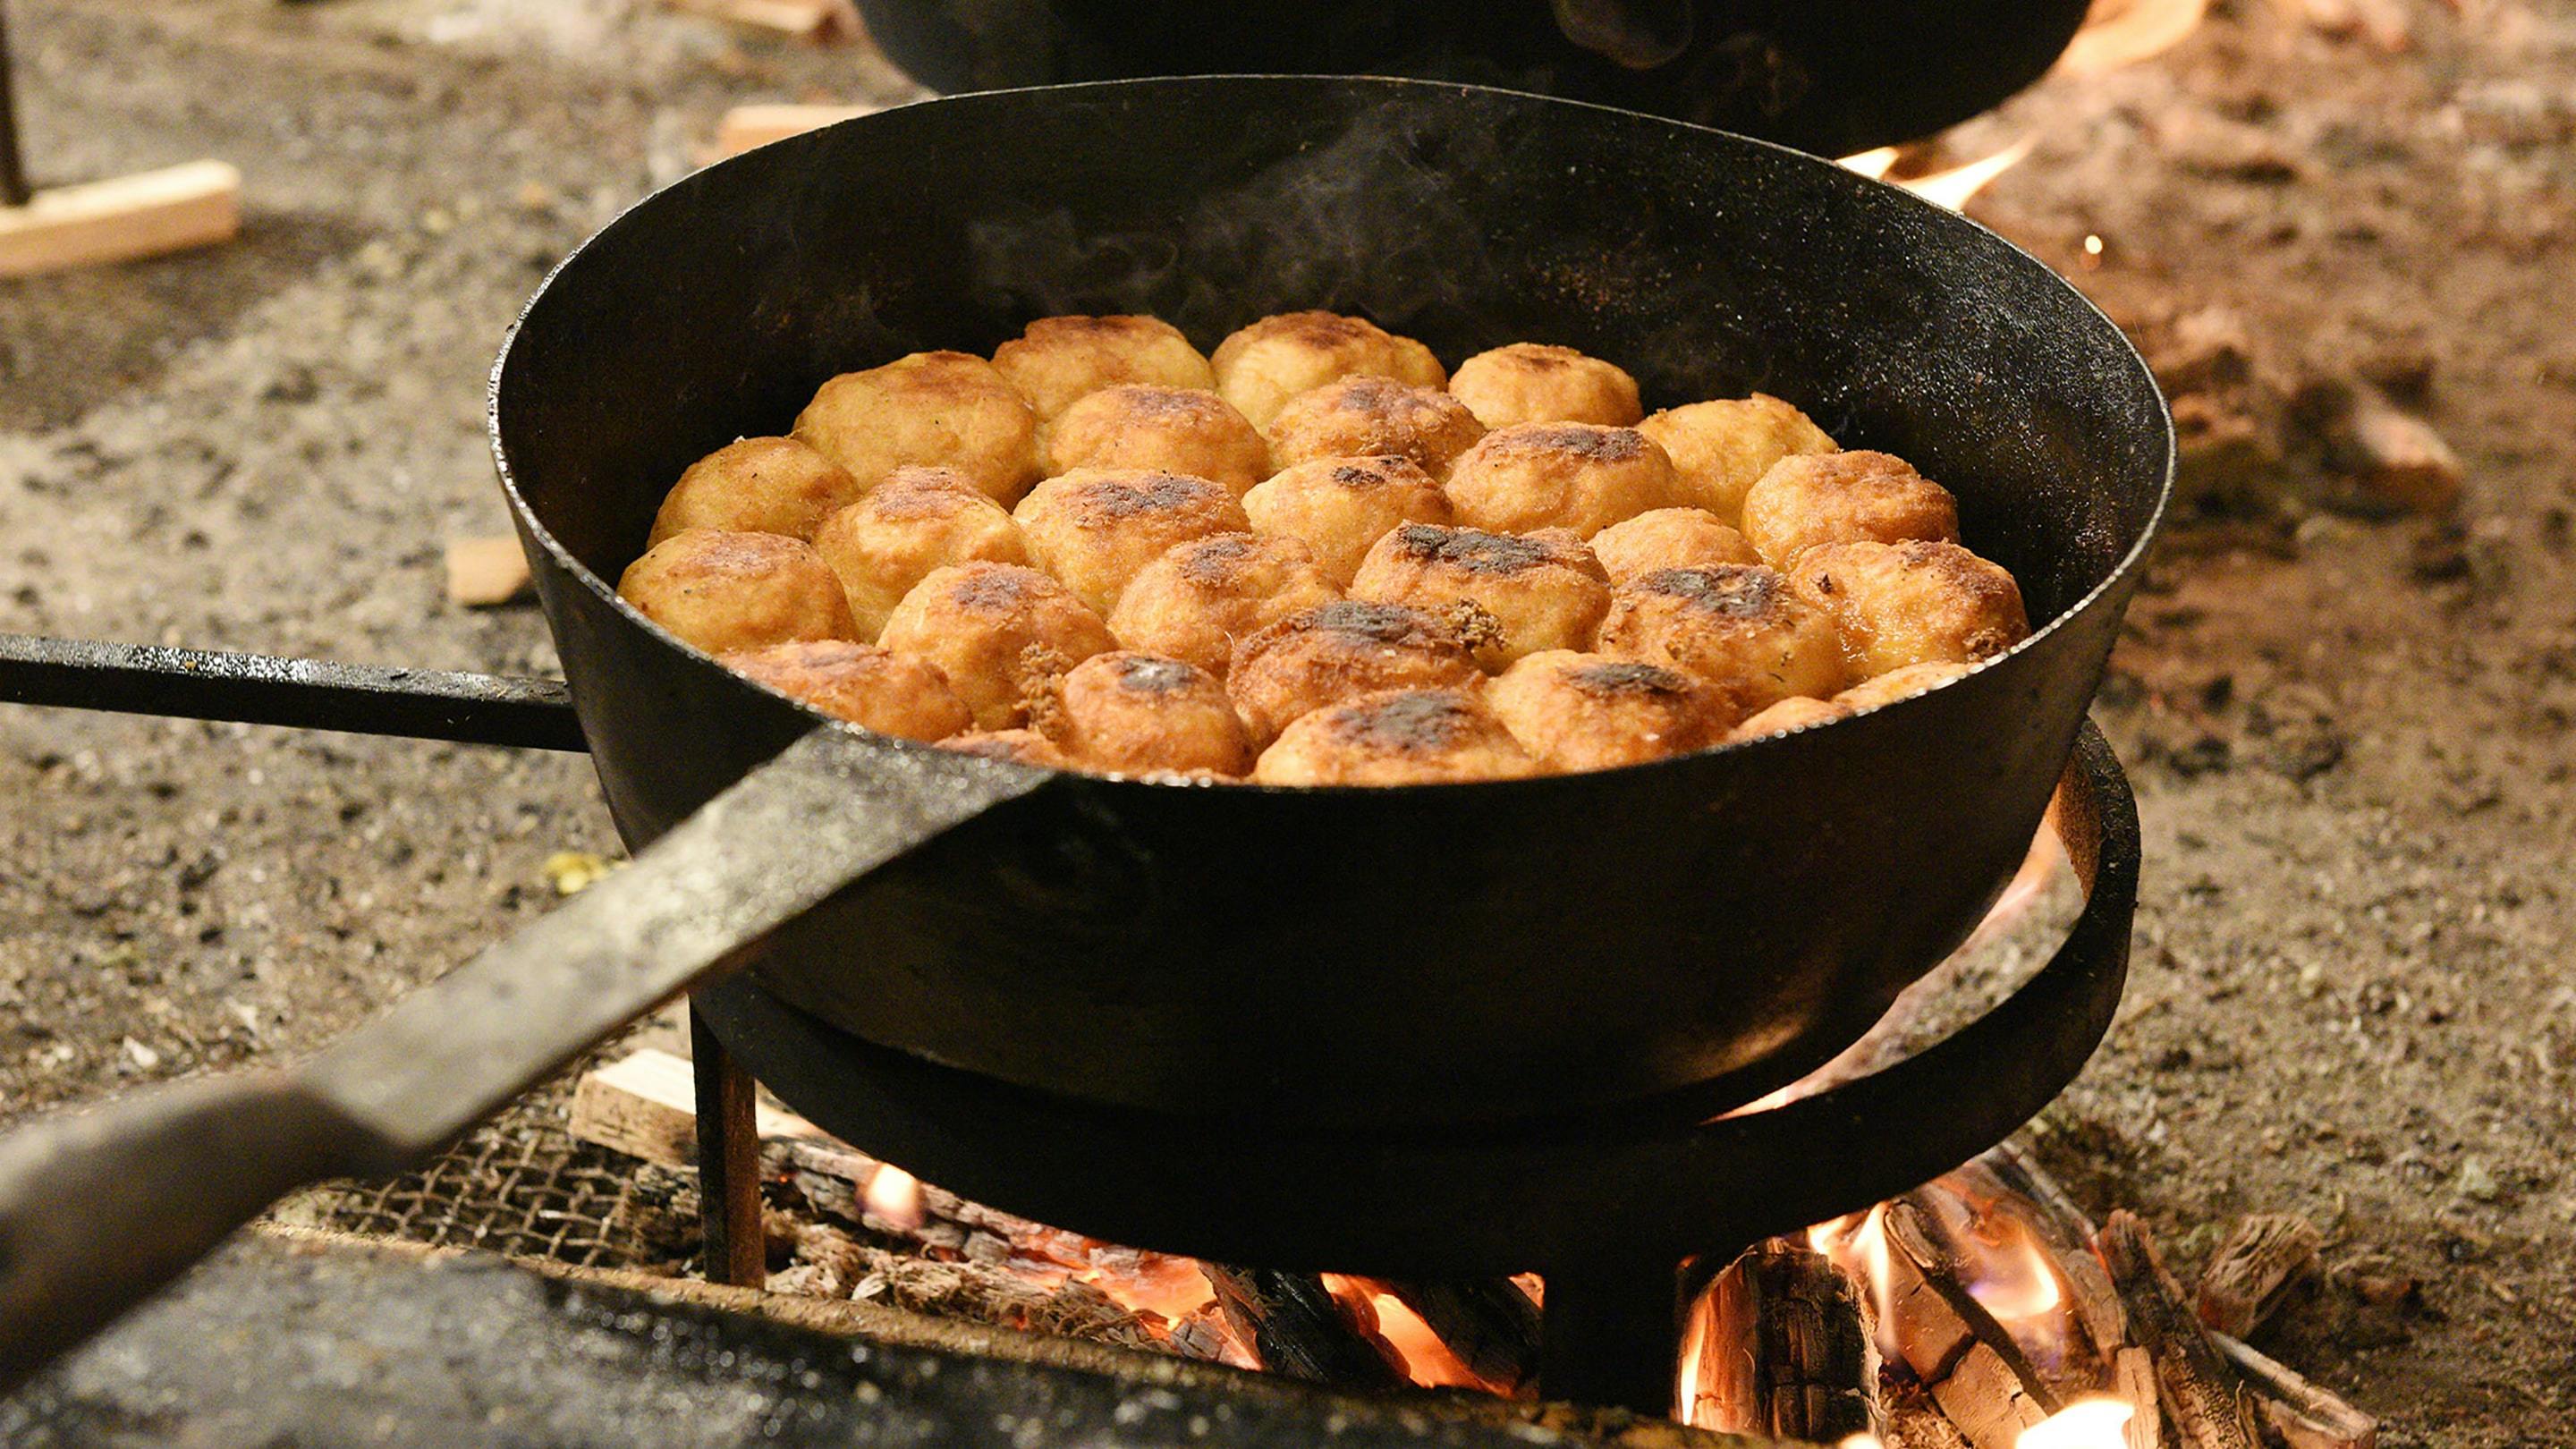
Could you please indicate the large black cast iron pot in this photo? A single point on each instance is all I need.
(1335, 963)
(1353, 957)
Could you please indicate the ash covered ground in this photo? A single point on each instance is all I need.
(2352, 996)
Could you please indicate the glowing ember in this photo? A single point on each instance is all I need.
(895, 1196)
(2084, 1424)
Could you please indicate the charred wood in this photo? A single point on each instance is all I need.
(2200, 1391)
(1488, 1322)
(1789, 1352)
(1300, 1329)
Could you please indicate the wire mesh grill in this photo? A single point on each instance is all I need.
(526, 1188)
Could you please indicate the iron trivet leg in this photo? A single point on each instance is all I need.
(1611, 1334)
(728, 1162)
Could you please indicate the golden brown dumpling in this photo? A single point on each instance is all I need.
(939, 409)
(1532, 382)
(1339, 507)
(1794, 713)
(1398, 737)
(756, 485)
(1057, 361)
(1898, 684)
(1720, 448)
(1133, 714)
(1531, 476)
(1738, 626)
(1097, 528)
(1668, 538)
(1019, 746)
(1591, 712)
(1536, 591)
(1263, 365)
(870, 687)
(1168, 429)
(724, 592)
(1324, 655)
(917, 520)
(1367, 416)
(1001, 633)
(1915, 602)
(1860, 496)
(1195, 601)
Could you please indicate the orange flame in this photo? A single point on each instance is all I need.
(894, 1195)
(2124, 32)
(1952, 187)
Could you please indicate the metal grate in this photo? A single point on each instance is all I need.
(523, 1186)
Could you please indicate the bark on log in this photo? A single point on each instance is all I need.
(2305, 1416)
(2208, 1402)
(1297, 1326)
(2262, 1260)
(1789, 1353)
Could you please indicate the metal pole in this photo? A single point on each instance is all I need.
(14, 190)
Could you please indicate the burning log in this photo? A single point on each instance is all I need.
(1489, 1323)
(1981, 1379)
(1786, 1351)
(2133, 1378)
(1301, 1329)
(2267, 1255)
(2065, 1234)
(2199, 1390)
(2305, 1416)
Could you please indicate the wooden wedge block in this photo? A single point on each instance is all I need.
(807, 19)
(483, 572)
(143, 215)
(744, 127)
(646, 1105)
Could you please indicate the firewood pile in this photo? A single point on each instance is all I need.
(1983, 1310)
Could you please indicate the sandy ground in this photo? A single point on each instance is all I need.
(2352, 998)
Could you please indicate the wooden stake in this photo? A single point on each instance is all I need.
(143, 215)
(2207, 1400)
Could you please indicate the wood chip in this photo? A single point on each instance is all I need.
(485, 572)
(144, 215)
(2397, 458)
(2263, 1259)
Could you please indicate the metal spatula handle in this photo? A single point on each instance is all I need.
(100, 1209)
